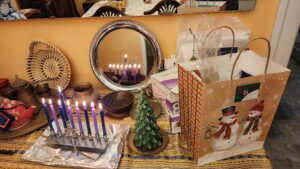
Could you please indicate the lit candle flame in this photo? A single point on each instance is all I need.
(100, 106)
(129, 66)
(113, 65)
(118, 66)
(139, 66)
(59, 102)
(68, 102)
(126, 66)
(59, 89)
(50, 101)
(76, 104)
(134, 65)
(43, 101)
(121, 66)
(109, 65)
(84, 103)
(92, 104)
(125, 56)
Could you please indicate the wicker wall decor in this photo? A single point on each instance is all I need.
(48, 64)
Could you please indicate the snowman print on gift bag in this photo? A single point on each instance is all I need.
(226, 135)
(252, 128)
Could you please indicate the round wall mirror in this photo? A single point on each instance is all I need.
(124, 54)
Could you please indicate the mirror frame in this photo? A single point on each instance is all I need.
(123, 24)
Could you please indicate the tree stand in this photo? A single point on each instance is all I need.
(132, 147)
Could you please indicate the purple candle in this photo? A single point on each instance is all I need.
(79, 118)
(69, 109)
(102, 119)
(47, 114)
(121, 70)
(63, 117)
(94, 118)
(54, 116)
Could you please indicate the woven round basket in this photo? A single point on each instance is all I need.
(48, 64)
(132, 147)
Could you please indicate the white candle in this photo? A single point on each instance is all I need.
(118, 66)
(139, 68)
(134, 72)
(129, 69)
(113, 68)
(125, 59)
(125, 71)
(109, 66)
(134, 68)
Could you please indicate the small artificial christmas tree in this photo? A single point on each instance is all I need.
(147, 134)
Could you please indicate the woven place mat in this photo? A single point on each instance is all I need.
(171, 157)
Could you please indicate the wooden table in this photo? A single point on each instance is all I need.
(172, 157)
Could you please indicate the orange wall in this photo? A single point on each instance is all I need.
(74, 36)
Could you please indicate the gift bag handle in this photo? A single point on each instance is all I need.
(221, 27)
(268, 56)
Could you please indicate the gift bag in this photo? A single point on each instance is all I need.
(230, 117)
(196, 28)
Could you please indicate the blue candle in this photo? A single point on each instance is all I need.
(79, 119)
(70, 114)
(61, 96)
(54, 116)
(63, 117)
(86, 118)
(47, 114)
(102, 119)
(94, 118)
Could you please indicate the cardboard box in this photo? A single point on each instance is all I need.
(165, 88)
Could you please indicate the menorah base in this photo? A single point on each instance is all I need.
(78, 143)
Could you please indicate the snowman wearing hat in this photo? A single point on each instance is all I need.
(252, 129)
(226, 135)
